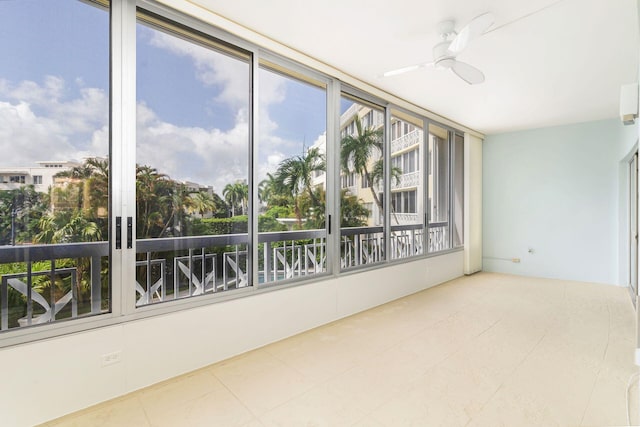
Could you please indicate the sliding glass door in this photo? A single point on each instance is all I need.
(192, 164)
(150, 151)
(54, 172)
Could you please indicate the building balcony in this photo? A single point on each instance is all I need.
(406, 141)
(407, 180)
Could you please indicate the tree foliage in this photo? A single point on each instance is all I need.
(362, 154)
(20, 211)
(237, 196)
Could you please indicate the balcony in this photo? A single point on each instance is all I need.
(176, 268)
(406, 180)
(406, 141)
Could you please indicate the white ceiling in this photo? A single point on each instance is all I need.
(546, 62)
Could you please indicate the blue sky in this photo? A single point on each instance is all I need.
(168, 84)
(303, 116)
(40, 37)
(345, 104)
(192, 120)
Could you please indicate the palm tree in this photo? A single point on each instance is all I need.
(266, 188)
(67, 227)
(20, 210)
(356, 155)
(79, 175)
(236, 195)
(153, 200)
(179, 201)
(295, 174)
(202, 202)
(98, 185)
(357, 151)
(377, 176)
(272, 193)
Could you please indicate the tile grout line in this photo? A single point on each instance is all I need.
(236, 396)
(502, 383)
(604, 355)
(144, 411)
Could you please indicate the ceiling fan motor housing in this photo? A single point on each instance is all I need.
(441, 56)
(446, 29)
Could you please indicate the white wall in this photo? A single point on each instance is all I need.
(557, 191)
(48, 379)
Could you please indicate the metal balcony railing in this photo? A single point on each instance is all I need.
(51, 294)
(175, 268)
(407, 180)
(405, 141)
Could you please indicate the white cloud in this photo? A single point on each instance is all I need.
(231, 78)
(29, 138)
(37, 122)
(58, 120)
(229, 74)
(211, 68)
(206, 156)
(46, 126)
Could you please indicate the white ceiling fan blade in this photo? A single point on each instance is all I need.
(468, 73)
(472, 30)
(406, 69)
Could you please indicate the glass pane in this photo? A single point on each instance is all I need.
(292, 177)
(438, 188)
(362, 183)
(192, 167)
(458, 190)
(407, 177)
(54, 174)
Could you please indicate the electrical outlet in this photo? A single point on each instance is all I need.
(111, 358)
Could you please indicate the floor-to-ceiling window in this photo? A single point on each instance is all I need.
(192, 164)
(458, 190)
(291, 175)
(438, 190)
(217, 172)
(362, 171)
(407, 185)
(54, 136)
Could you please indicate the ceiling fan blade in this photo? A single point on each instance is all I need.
(406, 69)
(472, 30)
(468, 73)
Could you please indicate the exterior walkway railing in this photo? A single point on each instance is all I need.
(51, 293)
(61, 281)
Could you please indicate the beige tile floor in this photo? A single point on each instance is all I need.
(483, 350)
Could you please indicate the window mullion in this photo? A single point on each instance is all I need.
(453, 183)
(123, 137)
(425, 190)
(333, 177)
(253, 187)
(386, 203)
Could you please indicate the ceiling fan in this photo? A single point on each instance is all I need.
(445, 52)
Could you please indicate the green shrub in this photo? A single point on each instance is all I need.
(215, 226)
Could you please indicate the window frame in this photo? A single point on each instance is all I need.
(122, 21)
(290, 69)
(376, 104)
